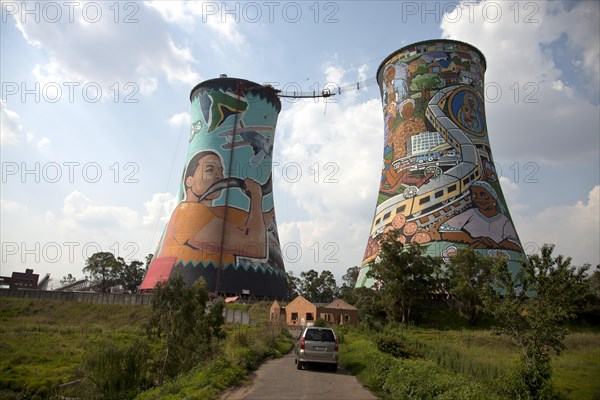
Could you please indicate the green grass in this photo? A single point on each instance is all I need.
(43, 342)
(244, 349)
(577, 369)
(477, 357)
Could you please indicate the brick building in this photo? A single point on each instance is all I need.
(21, 280)
(301, 312)
(339, 312)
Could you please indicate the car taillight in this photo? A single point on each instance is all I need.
(302, 344)
(336, 345)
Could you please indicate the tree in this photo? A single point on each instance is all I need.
(149, 258)
(532, 307)
(370, 305)
(317, 287)
(425, 83)
(116, 370)
(67, 280)
(469, 275)
(103, 269)
(349, 281)
(130, 276)
(293, 285)
(327, 287)
(403, 274)
(181, 321)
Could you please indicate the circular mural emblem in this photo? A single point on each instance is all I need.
(466, 110)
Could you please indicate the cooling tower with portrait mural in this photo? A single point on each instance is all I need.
(438, 186)
(223, 228)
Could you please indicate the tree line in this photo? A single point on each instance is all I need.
(104, 271)
(531, 305)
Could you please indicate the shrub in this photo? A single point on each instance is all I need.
(116, 372)
(394, 345)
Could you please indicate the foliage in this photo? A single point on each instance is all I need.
(404, 275)
(317, 287)
(349, 281)
(67, 280)
(398, 378)
(370, 305)
(293, 285)
(181, 322)
(470, 275)
(392, 344)
(44, 342)
(320, 323)
(106, 271)
(425, 83)
(532, 308)
(117, 371)
(244, 349)
(130, 276)
(103, 269)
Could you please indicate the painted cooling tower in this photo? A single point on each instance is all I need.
(223, 228)
(438, 184)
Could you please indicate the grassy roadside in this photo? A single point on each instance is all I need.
(43, 344)
(463, 364)
(244, 349)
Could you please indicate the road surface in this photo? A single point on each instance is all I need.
(280, 380)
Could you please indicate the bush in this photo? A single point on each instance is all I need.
(116, 372)
(394, 345)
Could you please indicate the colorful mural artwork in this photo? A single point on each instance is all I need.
(223, 228)
(438, 184)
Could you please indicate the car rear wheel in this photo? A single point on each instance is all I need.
(333, 367)
(298, 365)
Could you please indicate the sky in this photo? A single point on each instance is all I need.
(95, 116)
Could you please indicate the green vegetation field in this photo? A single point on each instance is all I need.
(43, 344)
(463, 364)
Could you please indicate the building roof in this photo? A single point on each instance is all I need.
(299, 300)
(340, 305)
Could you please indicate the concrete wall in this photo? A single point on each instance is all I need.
(231, 315)
(88, 297)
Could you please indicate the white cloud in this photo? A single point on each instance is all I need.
(210, 14)
(108, 52)
(81, 213)
(44, 142)
(81, 227)
(12, 206)
(574, 229)
(180, 119)
(339, 156)
(175, 12)
(159, 209)
(11, 129)
(528, 100)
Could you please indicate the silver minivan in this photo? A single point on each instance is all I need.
(317, 345)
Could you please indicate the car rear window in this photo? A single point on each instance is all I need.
(320, 335)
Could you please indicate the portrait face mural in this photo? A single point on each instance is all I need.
(223, 228)
(438, 184)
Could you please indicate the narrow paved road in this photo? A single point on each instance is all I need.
(280, 380)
